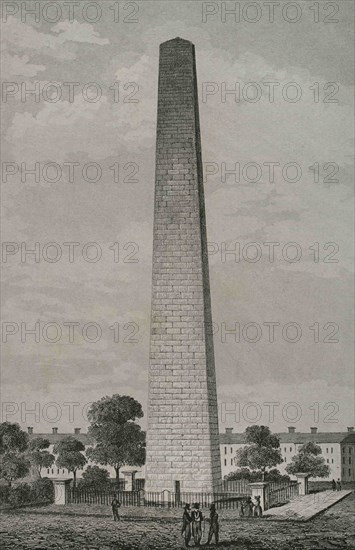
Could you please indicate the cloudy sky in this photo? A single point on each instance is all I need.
(94, 146)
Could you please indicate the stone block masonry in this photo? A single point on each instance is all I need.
(182, 436)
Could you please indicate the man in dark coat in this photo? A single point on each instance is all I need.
(258, 511)
(115, 504)
(334, 485)
(248, 508)
(186, 524)
(214, 525)
(197, 519)
(338, 484)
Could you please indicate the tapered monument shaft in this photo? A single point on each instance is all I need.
(182, 435)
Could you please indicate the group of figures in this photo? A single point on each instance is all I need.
(193, 524)
(248, 508)
(336, 485)
(193, 521)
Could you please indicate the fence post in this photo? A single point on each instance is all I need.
(260, 489)
(302, 480)
(61, 491)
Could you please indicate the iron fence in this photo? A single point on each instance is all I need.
(164, 499)
(279, 494)
(82, 496)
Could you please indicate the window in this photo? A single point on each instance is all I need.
(63, 471)
(349, 459)
(331, 450)
(343, 471)
(349, 472)
(225, 450)
(231, 461)
(57, 470)
(285, 449)
(332, 461)
(327, 449)
(47, 470)
(343, 459)
(231, 449)
(290, 449)
(350, 451)
(225, 462)
(328, 460)
(52, 471)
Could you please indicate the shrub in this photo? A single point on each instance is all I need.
(20, 494)
(4, 494)
(42, 490)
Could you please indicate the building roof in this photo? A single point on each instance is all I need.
(286, 437)
(349, 440)
(230, 438)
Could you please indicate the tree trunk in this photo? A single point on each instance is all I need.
(263, 474)
(74, 478)
(117, 470)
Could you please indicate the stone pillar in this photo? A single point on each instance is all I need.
(129, 476)
(260, 489)
(61, 491)
(182, 434)
(302, 480)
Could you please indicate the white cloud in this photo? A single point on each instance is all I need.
(17, 65)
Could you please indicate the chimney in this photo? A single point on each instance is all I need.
(54, 430)
(77, 430)
(350, 428)
(229, 431)
(291, 429)
(314, 430)
(30, 430)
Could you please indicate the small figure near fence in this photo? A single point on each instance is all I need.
(248, 508)
(214, 525)
(115, 504)
(197, 519)
(338, 484)
(334, 485)
(258, 511)
(186, 524)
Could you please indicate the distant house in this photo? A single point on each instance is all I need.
(337, 450)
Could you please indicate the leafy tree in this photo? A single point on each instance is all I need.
(262, 452)
(12, 438)
(307, 460)
(38, 456)
(273, 475)
(119, 440)
(13, 443)
(13, 466)
(70, 456)
(95, 477)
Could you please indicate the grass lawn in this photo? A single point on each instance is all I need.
(90, 527)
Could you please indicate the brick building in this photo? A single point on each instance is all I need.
(337, 450)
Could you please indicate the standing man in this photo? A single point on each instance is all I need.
(334, 485)
(258, 511)
(214, 525)
(338, 484)
(197, 519)
(115, 504)
(186, 524)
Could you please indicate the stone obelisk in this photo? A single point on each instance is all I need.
(182, 436)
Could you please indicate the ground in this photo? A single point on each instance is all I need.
(90, 527)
